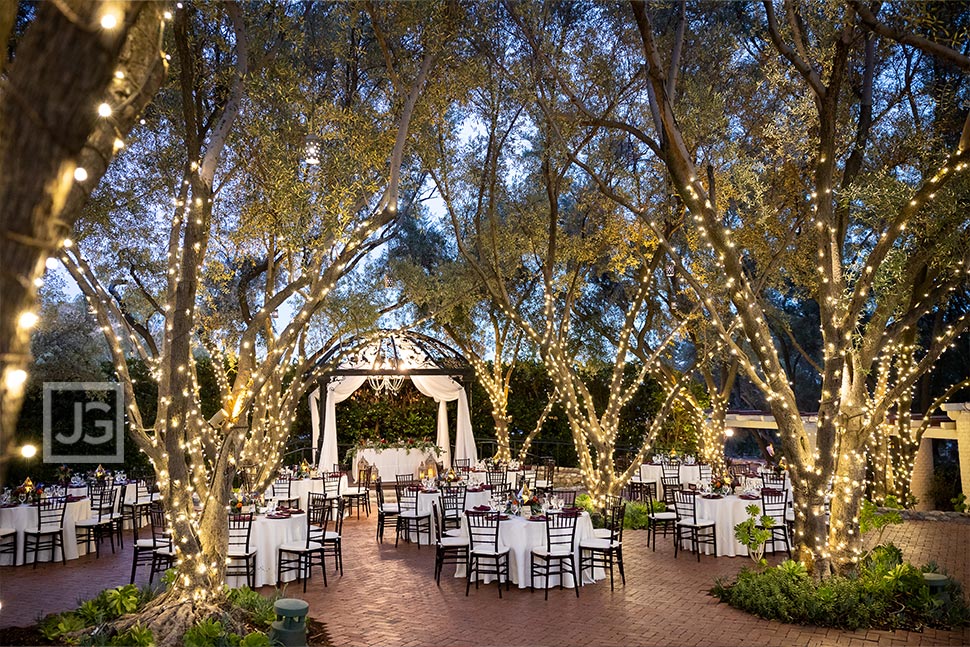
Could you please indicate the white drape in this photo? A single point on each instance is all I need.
(337, 391)
(314, 424)
(444, 389)
(441, 388)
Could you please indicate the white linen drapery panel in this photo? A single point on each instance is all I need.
(441, 388)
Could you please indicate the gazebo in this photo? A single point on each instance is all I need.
(385, 360)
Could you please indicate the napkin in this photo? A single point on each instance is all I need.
(770, 490)
(481, 508)
(72, 498)
(572, 509)
(750, 497)
(488, 487)
(278, 515)
(537, 517)
(712, 496)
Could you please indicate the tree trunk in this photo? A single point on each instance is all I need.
(504, 453)
(844, 540)
(47, 130)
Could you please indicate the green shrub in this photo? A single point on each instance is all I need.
(124, 599)
(255, 639)
(635, 517)
(884, 592)
(259, 609)
(91, 612)
(204, 634)
(136, 636)
(748, 533)
(54, 628)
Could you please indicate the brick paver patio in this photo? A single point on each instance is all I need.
(387, 596)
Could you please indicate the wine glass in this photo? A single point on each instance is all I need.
(22, 497)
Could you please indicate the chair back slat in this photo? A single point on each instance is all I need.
(50, 514)
(453, 501)
(159, 525)
(561, 531)
(685, 503)
(331, 484)
(281, 488)
(496, 477)
(671, 470)
(407, 497)
(483, 530)
(775, 481)
(240, 530)
(774, 504)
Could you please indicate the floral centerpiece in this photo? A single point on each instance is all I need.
(523, 499)
(28, 492)
(100, 474)
(243, 502)
(64, 474)
(451, 476)
(721, 484)
(303, 471)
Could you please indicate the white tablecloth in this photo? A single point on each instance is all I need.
(24, 517)
(391, 462)
(521, 536)
(267, 535)
(302, 487)
(726, 513)
(472, 499)
(653, 473)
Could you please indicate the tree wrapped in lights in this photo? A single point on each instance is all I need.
(444, 290)
(228, 273)
(840, 184)
(55, 143)
(546, 225)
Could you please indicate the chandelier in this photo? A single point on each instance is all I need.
(391, 381)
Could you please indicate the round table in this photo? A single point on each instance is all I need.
(726, 513)
(653, 472)
(266, 536)
(521, 536)
(23, 517)
(302, 487)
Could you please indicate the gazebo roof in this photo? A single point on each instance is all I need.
(392, 352)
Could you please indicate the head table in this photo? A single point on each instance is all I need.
(391, 462)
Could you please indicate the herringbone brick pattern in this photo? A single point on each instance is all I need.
(387, 596)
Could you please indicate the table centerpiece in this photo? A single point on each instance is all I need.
(523, 503)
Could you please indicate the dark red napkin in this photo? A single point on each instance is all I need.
(537, 517)
(481, 508)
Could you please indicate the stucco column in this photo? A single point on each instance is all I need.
(959, 412)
